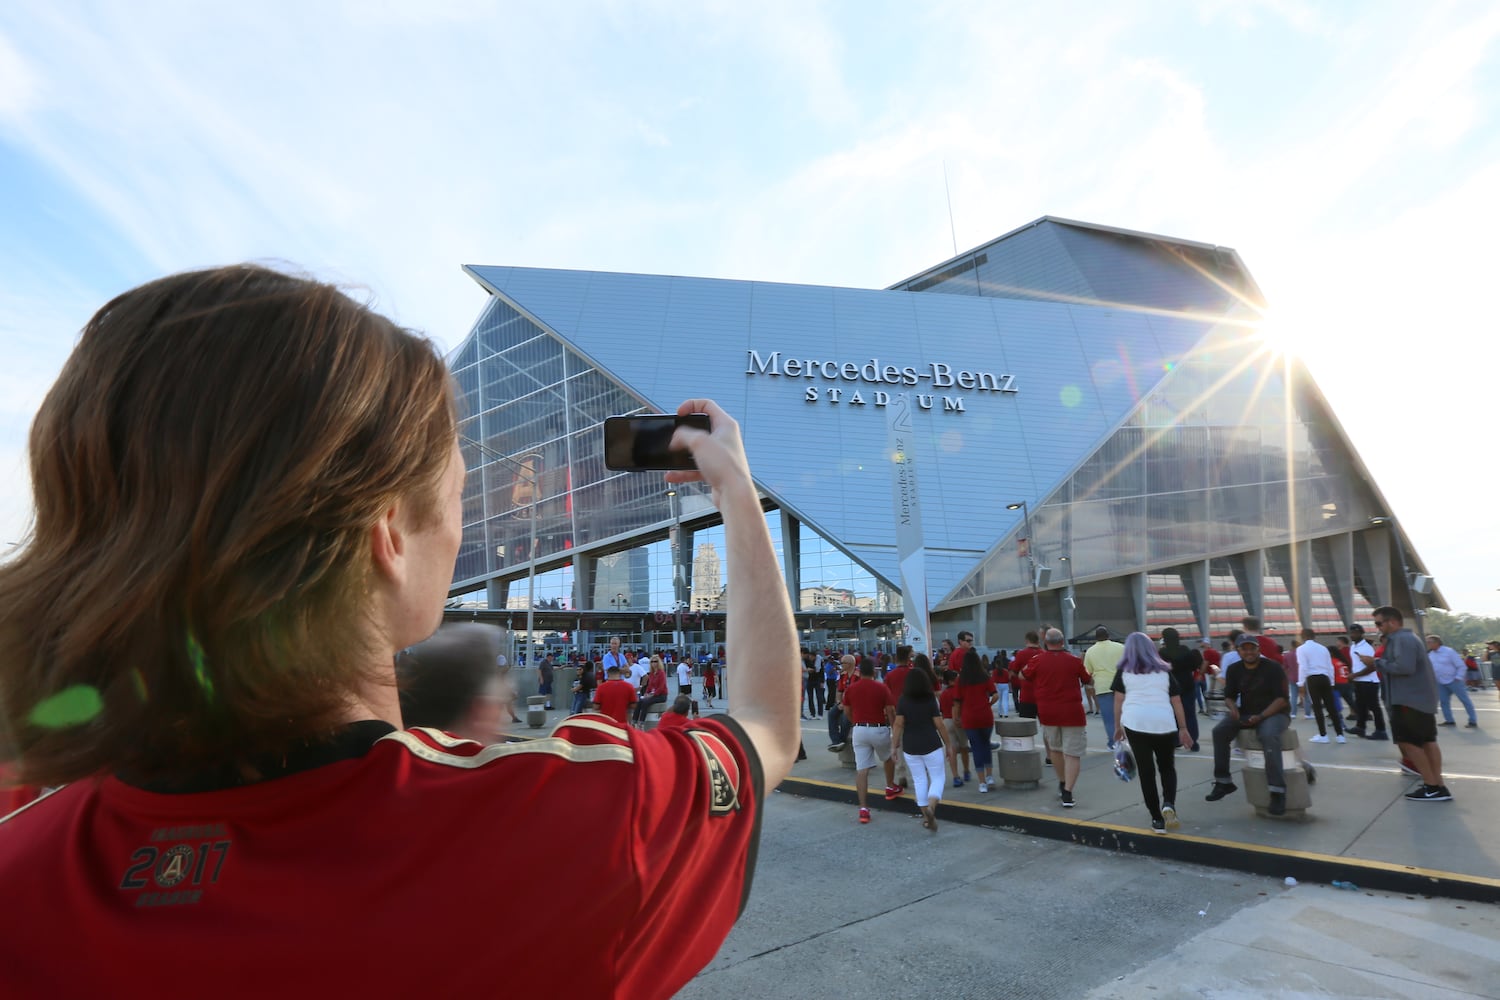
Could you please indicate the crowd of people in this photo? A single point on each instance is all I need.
(1149, 697)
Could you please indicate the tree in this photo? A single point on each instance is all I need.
(1461, 630)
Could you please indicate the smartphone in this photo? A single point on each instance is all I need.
(636, 444)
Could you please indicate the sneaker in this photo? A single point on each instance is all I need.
(1221, 789)
(958, 782)
(1447, 723)
(968, 776)
(835, 747)
(1319, 739)
(893, 791)
(1340, 738)
(1158, 826)
(986, 786)
(864, 815)
(1278, 804)
(1169, 817)
(1407, 769)
(1308, 715)
(1067, 799)
(1472, 725)
(1379, 735)
(1312, 773)
(1429, 793)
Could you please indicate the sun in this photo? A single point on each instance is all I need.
(1281, 334)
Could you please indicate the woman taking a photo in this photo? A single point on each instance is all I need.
(923, 739)
(974, 714)
(1150, 710)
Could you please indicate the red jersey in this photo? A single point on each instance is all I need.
(1055, 677)
(615, 698)
(286, 885)
(1212, 658)
(866, 701)
(671, 720)
(1268, 648)
(1017, 668)
(896, 680)
(974, 710)
(946, 697)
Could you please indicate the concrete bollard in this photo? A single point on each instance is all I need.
(1253, 774)
(846, 755)
(1020, 763)
(536, 712)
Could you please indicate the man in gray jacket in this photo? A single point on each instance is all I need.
(1403, 661)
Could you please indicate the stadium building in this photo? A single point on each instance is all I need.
(1099, 437)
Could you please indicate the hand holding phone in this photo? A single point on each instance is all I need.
(644, 442)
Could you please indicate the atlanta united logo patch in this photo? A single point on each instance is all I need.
(723, 773)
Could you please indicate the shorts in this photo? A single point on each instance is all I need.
(955, 736)
(1071, 740)
(1411, 726)
(872, 745)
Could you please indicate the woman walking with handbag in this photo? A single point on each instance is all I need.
(1150, 711)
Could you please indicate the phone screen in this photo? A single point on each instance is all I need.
(633, 444)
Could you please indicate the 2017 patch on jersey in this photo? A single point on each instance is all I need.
(722, 771)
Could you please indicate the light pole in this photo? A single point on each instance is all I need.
(1036, 601)
(1070, 611)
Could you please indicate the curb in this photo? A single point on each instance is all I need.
(1305, 866)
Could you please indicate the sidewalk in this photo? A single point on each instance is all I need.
(1359, 829)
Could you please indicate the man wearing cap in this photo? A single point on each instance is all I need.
(1255, 697)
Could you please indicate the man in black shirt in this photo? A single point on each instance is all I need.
(1255, 697)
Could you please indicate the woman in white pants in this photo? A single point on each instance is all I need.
(923, 739)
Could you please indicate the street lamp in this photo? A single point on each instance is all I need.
(1070, 610)
(1036, 601)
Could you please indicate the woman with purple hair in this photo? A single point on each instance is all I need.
(1150, 715)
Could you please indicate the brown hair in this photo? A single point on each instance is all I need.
(206, 472)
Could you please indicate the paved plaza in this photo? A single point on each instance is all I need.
(888, 910)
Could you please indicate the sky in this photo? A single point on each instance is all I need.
(1349, 151)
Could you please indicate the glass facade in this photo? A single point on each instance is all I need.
(533, 441)
(1229, 452)
(1175, 471)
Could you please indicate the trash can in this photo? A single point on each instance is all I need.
(536, 711)
(1020, 763)
(1253, 774)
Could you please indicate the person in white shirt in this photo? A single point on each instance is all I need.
(1315, 668)
(1449, 669)
(639, 670)
(1148, 712)
(1366, 687)
(685, 682)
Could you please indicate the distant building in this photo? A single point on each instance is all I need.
(708, 579)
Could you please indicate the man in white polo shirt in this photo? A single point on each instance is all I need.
(1366, 686)
(1315, 669)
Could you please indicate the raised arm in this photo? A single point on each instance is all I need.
(761, 634)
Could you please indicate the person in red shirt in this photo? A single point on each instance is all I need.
(1055, 676)
(275, 470)
(871, 709)
(1025, 697)
(677, 716)
(1267, 646)
(947, 701)
(615, 696)
(974, 704)
(654, 689)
